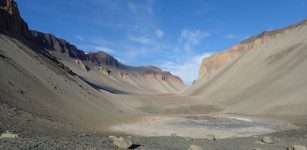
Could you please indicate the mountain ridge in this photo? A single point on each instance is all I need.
(63, 51)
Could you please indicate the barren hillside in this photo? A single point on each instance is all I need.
(265, 74)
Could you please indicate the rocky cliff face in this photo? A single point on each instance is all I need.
(101, 61)
(11, 20)
(218, 60)
(52, 43)
(52, 46)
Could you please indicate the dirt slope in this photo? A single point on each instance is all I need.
(265, 74)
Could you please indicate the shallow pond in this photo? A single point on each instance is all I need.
(200, 126)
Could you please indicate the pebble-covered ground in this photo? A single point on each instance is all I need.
(37, 133)
(93, 141)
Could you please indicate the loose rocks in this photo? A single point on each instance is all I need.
(268, 140)
(211, 137)
(296, 147)
(195, 147)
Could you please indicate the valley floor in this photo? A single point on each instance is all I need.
(35, 132)
(93, 141)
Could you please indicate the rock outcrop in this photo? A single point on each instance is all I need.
(53, 43)
(11, 20)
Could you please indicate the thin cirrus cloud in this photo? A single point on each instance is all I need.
(190, 38)
(230, 36)
(140, 39)
(159, 33)
(79, 37)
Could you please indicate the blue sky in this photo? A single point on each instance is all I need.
(172, 34)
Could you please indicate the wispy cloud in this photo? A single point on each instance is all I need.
(79, 37)
(145, 7)
(187, 68)
(230, 36)
(159, 33)
(191, 38)
(140, 39)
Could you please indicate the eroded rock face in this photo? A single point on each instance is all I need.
(53, 43)
(218, 60)
(11, 20)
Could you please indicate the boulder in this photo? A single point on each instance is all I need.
(210, 137)
(9, 135)
(195, 147)
(121, 142)
(296, 147)
(268, 140)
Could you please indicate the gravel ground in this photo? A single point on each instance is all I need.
(35, 132)
(95, 141)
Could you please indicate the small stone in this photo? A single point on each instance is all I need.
(83, 135)
(210, 137)
(121, 142)
(296, 147)
(195, 147)
(8, 135)
(174, 135)
(255, 149)
(20, 91)
(267, 140)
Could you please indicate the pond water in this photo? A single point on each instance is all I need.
(200, 126)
